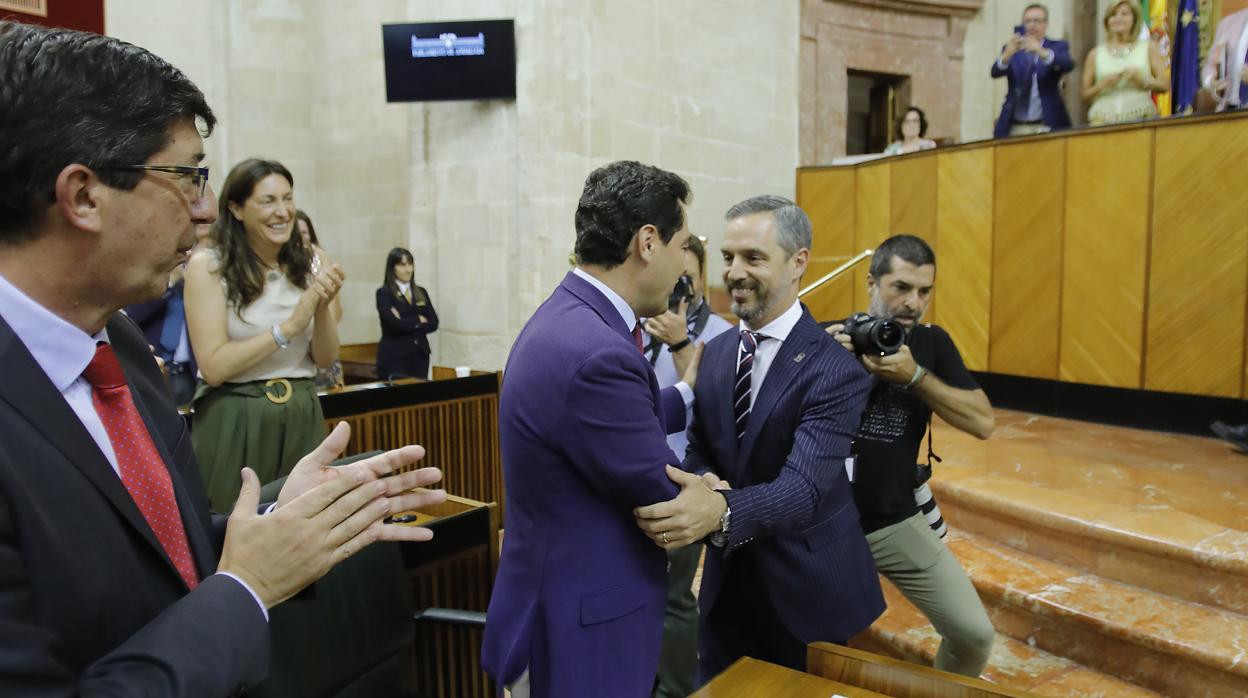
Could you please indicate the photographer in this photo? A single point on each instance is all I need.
(925, 374)
(669, 345)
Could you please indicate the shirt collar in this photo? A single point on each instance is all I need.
(621, 307)
(780, 327)
(61, 350)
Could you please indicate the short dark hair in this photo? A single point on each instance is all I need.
(619, 199)
(922, 121)
(240, 265)
(71, 97)
(910, 248)
(1037, 6)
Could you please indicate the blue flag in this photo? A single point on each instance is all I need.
(1185, 62)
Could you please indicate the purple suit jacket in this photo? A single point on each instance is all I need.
(791, 500)
(580, 591)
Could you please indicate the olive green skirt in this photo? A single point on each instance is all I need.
(265, 425)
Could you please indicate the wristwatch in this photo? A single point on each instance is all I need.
(720, 538)
(680, 345)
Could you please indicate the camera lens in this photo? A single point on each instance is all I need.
(889, 336)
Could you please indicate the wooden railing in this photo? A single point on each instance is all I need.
(1113, 256)
(897, 678)
(456, 421)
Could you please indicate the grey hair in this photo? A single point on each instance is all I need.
(791, 220)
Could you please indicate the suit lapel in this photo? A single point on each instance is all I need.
(25, 387)
(792, 358)
(201, 547)
(595, 299)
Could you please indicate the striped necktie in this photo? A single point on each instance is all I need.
(741, 390)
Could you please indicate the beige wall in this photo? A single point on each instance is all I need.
(483, 193)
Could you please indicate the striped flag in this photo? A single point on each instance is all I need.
(1159, 29)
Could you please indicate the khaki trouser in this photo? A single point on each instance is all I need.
(920, 565)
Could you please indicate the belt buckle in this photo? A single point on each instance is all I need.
(278, 399)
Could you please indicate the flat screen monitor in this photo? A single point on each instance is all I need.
(435, 61)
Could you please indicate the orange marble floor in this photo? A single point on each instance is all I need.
(1112, 561)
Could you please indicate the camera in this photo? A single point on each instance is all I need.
(682, 291)
(874, 335)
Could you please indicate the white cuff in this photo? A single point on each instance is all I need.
(686, 393)
(1049, 60)
(251, 591)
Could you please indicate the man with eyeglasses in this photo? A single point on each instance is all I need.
(1034, 66)
(114, 576)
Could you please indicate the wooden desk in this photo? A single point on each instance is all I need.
(752, 678)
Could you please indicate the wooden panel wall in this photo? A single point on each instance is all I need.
(459, 436)
(964, 251)
(1114, 256)
(1197, 282)
(1027, 258)
(828, 198)
(872, 222)
(1105, 258)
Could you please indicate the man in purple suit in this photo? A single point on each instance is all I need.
(777, 405)
(1034, 66)
(578, 602)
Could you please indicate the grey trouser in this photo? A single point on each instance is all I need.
(926, 572)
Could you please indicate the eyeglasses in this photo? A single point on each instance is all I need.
(198, 175)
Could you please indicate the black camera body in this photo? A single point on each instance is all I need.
(682, 291)
(874, 335)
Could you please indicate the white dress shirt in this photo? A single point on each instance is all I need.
(630, 321)
(776, 331)
(63, 352)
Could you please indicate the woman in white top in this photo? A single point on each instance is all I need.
(1120, 75)
(911, 129)
(260, 324)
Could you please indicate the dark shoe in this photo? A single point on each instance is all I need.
(1233, 434)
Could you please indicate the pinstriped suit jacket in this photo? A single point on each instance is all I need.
(791, 500)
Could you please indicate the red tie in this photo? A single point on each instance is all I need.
(637, 337)
(142, 470)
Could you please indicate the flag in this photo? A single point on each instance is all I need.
(1159, 28)
(1185, 62)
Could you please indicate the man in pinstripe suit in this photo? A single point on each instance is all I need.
(777, 403)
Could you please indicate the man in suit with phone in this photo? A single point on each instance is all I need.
(114, 577)
(1034, 65)
(776, 406)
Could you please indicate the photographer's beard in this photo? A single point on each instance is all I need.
(906, 317)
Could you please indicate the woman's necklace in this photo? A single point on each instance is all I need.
(272, 272)
(1120, 50)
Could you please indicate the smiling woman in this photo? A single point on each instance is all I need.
(261, 321)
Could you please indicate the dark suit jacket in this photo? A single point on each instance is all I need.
(791, 501)
(89, 602)
(405, 337)
(1048, 82)
(580, 591)
(150, 317)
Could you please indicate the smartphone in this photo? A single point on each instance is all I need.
(1018, 29)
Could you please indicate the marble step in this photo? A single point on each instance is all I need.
(1164, 550)
(903, 632)
(1170, 645)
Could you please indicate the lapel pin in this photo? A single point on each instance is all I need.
(798, 359)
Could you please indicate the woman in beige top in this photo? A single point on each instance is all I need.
(260, 324)
(1121, 75)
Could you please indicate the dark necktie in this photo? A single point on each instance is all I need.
(637, 337)
(741, 390)
(143, 471)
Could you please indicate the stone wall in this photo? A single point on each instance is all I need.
(483, 193)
